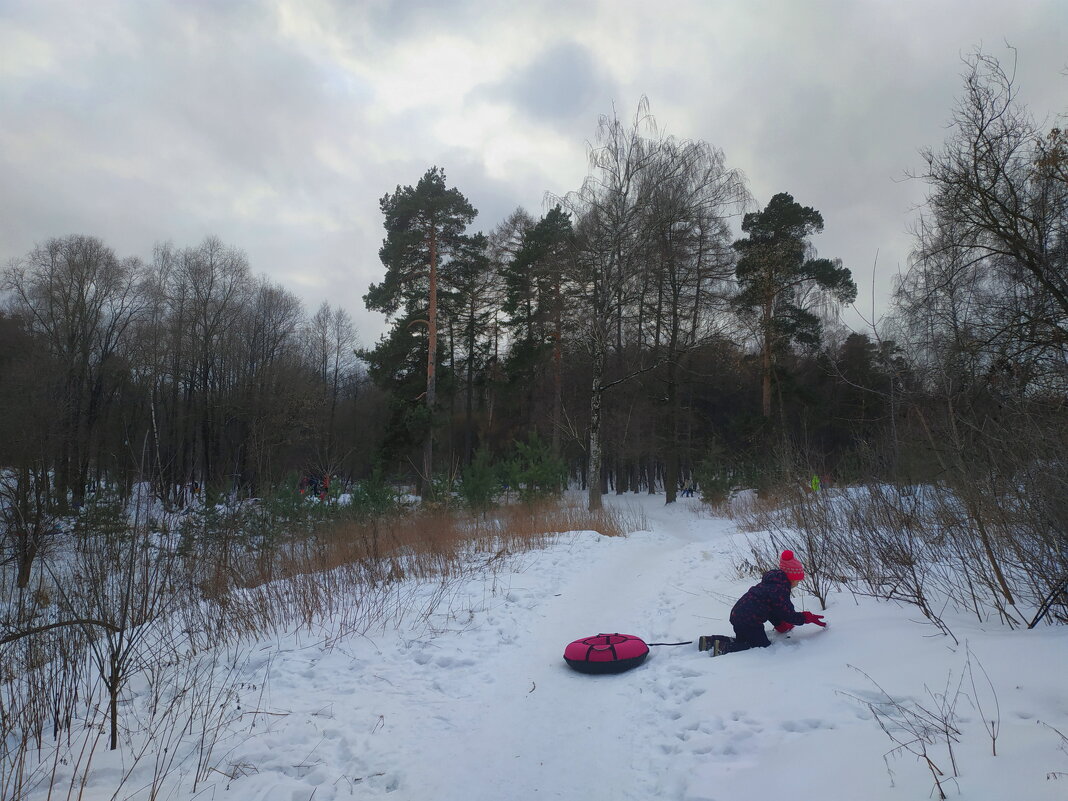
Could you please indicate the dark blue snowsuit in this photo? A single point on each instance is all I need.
(767, 601)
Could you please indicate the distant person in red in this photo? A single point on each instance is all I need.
(312, 485)
(324, 487)
(766, 602)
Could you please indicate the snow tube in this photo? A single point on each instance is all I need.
(606, 653)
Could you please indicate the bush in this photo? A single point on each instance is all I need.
(373, 497)
(534, 472)
(103, 515)
(480, 483)
(715, 480)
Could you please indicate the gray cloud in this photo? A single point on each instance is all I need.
(277, 125)
(562, 82)
(400, 18)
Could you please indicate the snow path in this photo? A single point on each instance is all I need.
(596, 737)
(467, 700)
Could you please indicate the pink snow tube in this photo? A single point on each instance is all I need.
(606, 653)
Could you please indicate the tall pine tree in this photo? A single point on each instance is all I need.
(425, 227)
(534, 284)
(775, 267)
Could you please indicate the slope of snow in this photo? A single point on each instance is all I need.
(475, 702)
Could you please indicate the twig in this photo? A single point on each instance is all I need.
(18, 635)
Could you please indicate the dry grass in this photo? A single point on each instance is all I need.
(428, 544)
(367, 573)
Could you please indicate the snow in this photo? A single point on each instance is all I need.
(474, 702)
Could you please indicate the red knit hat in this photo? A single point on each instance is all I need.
(791, 566)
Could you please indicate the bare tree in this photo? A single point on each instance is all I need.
(272, 386)
(691, 266)
(985, 309)
(998, 205)
(211, 286)
(80, 300)
(330, 338)
(612, 241)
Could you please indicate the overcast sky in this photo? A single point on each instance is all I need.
(278, 126)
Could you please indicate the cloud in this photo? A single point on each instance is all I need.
(561, 83)
(278, 124)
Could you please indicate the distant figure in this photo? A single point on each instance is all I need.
(815, 483)
(309, 485)
(688, 489)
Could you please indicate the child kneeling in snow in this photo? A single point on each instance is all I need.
(767, 601)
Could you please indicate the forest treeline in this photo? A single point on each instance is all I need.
(628, 331)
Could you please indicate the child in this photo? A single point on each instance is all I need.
(767, 601)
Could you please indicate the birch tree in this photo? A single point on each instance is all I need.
(612, 241)
(691, 263)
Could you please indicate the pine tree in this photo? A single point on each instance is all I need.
(471, 300)
(775, 268)
(534, 282)
(425, 227)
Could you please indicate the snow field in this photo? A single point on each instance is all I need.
(475, 702)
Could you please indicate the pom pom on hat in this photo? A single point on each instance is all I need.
(791, 566)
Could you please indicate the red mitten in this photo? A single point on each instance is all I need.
(811, 618)
(783, 627)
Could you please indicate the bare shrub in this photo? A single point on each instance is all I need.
(1057, 774)
(924, 729)
(932, 546)
(891, 549)
(127, 582)
(917, 729)
(808, 524)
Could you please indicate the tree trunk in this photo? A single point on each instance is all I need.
(469, 404)
(27, 550)
(671, 457)
(594, 476)
(431, 365)
(766, 381)
(113, 703)
(769, 301)
(558, 387)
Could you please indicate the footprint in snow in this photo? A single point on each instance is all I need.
(692, 693)
(711, 726)
(802, 726)
(452, 661)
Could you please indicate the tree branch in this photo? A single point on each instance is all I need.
(652, 366)
(18, 635)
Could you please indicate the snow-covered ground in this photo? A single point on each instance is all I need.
(476, 703)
